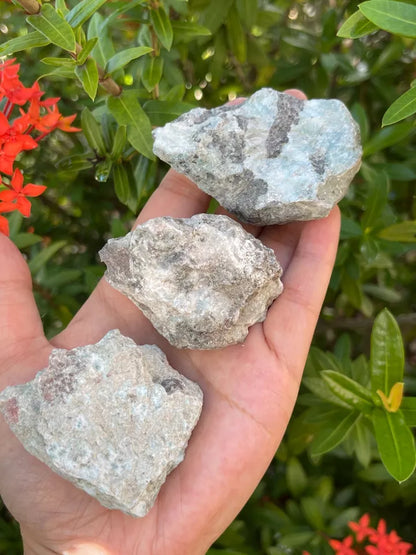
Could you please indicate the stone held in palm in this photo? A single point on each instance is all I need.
(269, 160)
(201, 281)
(112, 418)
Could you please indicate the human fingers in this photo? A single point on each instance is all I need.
(21, 331)
(292, 318)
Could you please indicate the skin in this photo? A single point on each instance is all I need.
(249, 393)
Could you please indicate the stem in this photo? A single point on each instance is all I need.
(6, 110)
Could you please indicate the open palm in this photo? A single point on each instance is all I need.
(249, 393)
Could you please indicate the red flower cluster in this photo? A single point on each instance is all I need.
(370, 541)
(22, 133)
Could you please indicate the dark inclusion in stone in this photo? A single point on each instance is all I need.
(271, 159)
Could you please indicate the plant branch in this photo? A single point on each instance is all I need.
(32, 7)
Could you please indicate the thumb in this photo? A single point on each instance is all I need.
(21, 331)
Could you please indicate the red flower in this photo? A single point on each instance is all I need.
(343, 547)
(4, 225)
(8, 153)
(17, 193)
(361, 528)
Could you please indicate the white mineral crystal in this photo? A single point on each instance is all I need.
(270, 160)
(112, 418)
(201, 281)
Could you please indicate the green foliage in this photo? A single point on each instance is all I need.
(124, 67)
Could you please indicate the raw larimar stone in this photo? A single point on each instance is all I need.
(201, 281)
(269, 160)
(112, 418)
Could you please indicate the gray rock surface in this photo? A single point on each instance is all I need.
(270, 160)
(201, 281)
(113, 418)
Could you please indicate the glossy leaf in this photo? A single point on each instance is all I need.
(104, 48)
(38, 261)
(296, 478)
(127, 111)
(334, 432)
(185, 31)
(348, 390)
(88, 75)
(376, 201)
(401, 108)
(31, 40)
(236, 36)
(361, 437)
(86, 51)
(161, 112)
(58, 62)
(54, 27)
(92, 132)
(82, 11)
(121, 183)
(395, 17)
(356, 26)
(162, 26)
(121, 59)
(120, 140)
(23, 240)
(247, 10)
(408, 409)
(395, 443)
(387, 353)
(152, 72)
(404, 232)
(215, 14)
(387, 137)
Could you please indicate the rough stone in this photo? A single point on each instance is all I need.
(201, 281)
(113, 418)
(270, 160)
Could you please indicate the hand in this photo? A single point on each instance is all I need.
(249, 393)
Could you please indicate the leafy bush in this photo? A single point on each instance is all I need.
(125, 66)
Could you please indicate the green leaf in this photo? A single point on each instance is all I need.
(401, 108)
(387, 137)
(152, 72)
(54, 27)
(387, 353)
(247, 10)
(88, 75)
(236, 36)
(122, 58)
(120, 139)
(60, 6)
(295, 477)
(408, 409)
(58, 62)
(350, 229)
(161, 25)
(361, 437)
(121, 183)
(92, 132)
(352, 289)
(395, 443)
(161, 112)
(86, 51)
(348, 390)
(185, 31)
(335, 431)
(398, 18)
(127, 111)
(403, 232)
(104, 48)
(214, 15)
(82, 11)
(376, 201)
(31, 40)
(356, 26)
(38, 261)
(312, 509)
(23, 240)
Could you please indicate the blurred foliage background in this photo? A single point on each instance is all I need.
(204, 54)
